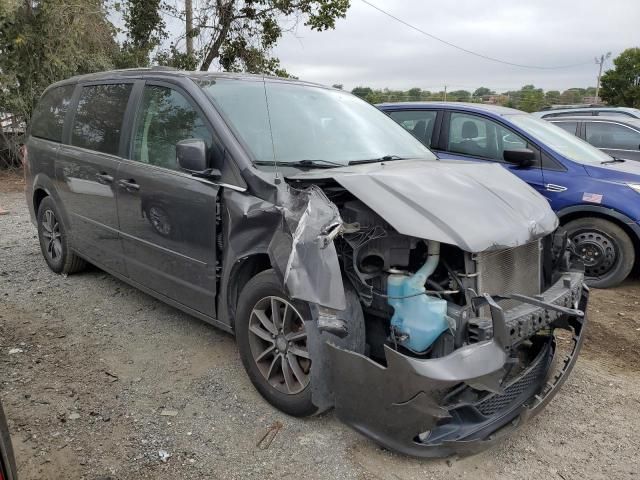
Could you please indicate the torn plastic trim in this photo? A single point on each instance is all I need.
(395, 405)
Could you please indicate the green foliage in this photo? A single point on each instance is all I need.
(240, 35)
(483, 92)
(531, 99)
(52, 40)
(621, 85)
(145, 29)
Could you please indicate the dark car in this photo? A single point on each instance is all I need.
(594, 194)
(617, 136)
(418, 297)
(7, 461)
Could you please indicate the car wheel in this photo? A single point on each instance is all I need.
(272, 340)
(54, 242)
(605, 249)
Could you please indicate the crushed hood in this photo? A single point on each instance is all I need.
(475, 206)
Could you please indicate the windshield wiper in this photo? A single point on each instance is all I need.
(613, 160)
(319, 163)
(386, 158)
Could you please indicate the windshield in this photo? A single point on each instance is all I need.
(554, 137)
(290, 123)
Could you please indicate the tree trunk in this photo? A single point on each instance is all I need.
(225, 18)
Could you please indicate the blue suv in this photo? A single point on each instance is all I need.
(596, 196)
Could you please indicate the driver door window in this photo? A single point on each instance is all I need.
(480, 137)
(165, 118)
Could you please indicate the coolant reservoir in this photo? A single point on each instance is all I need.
(418, 316)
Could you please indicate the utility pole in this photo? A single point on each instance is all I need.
(600, 62)
(188, 7)
(445, 93)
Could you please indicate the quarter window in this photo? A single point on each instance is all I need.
(99, 116)
(48, 118)
(165, 118)
(570, 127)
(481, 137)
(419, 122)
(611, 135)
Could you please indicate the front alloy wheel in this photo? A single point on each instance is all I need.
(277, 339)
(272, 340)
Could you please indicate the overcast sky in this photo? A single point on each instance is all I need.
(369, 48)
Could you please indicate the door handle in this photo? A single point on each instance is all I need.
(104, 178)
(129, 185)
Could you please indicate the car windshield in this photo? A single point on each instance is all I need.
(289, 123)
(561, 141)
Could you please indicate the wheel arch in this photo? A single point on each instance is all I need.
(630, 227)
(243, 270)
(39, 194)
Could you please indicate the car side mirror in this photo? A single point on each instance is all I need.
(191, 155)
(523, 157)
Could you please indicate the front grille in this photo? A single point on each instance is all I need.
(527, 382)
(512, 270)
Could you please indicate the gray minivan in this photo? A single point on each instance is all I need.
(420, 298)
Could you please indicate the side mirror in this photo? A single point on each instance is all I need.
(191, 155)
(523, 157)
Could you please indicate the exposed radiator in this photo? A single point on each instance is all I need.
(512, 270)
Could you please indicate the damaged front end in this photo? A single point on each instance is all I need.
(425, 346)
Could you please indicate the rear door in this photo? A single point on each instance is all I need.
(86, 169)
(468, 136)
(616, 139)
(167, 216)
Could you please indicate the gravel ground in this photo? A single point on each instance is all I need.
(108, 383)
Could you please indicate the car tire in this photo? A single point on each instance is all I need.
(605, 248)
(266, 341)
(54, 242)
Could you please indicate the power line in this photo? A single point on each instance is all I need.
(471, 52)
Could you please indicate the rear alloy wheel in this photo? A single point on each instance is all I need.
(272, 340)
(54, 243)
(605, 249)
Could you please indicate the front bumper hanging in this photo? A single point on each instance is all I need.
(410, 405)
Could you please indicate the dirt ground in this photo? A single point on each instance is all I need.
(105, 382)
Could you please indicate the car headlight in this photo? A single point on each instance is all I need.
(635, 186)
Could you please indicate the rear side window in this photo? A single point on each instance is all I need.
(48, 117)
(99, 116)
(419, 122)
(611, 135)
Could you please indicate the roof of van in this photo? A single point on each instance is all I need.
(172, 72)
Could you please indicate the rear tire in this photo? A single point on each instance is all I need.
(273, 346)
(54, 242)
(606, 250)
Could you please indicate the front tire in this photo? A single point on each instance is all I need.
(54, 242)
(605, 249)
(271, 337)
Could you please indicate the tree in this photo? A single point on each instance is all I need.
(531, 98)
(459, 96)
(44, 41)
(483, 92)
(239, 34)
(552, 97)
(621, 85)
(145, 29)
